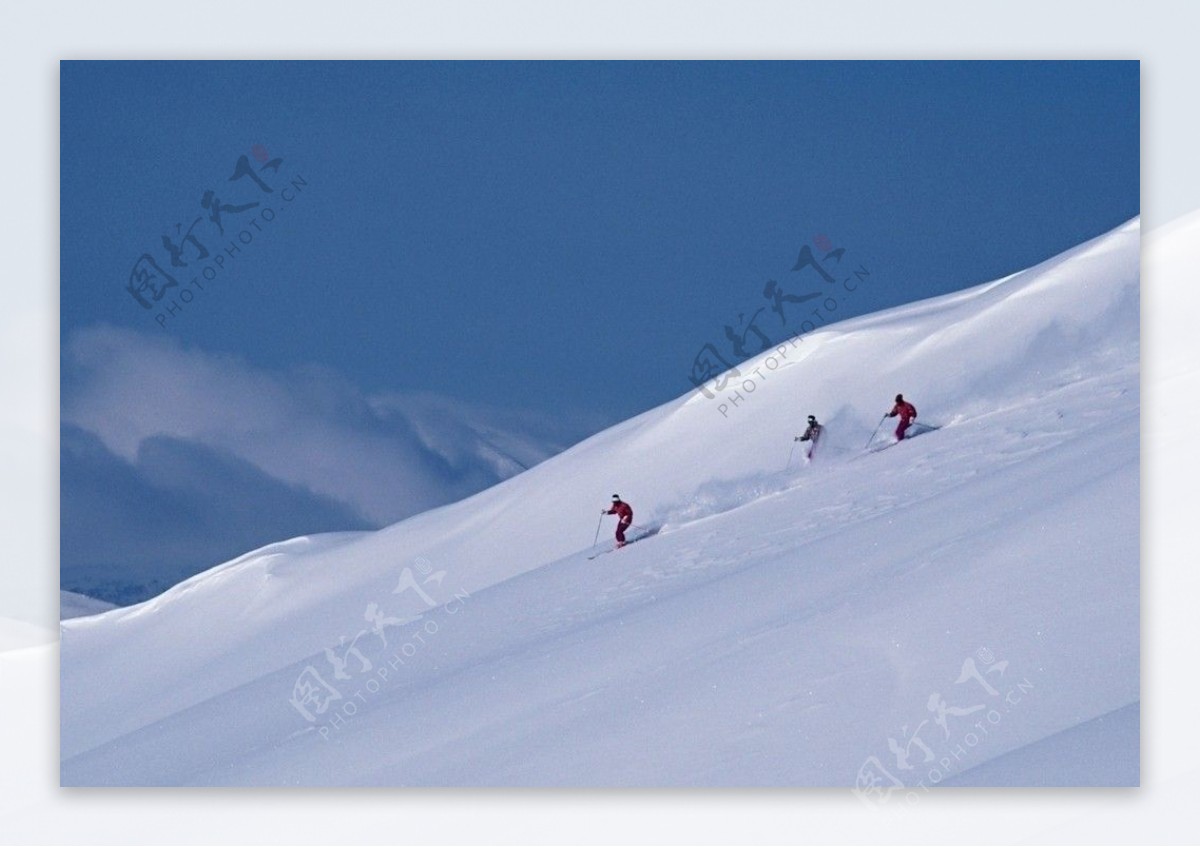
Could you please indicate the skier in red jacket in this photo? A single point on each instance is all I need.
(624, 517)
(907, 412)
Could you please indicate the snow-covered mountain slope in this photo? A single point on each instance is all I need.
(74, 605)
(950, 599)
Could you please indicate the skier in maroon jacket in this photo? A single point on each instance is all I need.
(624, 517)
(907, 412)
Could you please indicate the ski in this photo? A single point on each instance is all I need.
(875, 447)
(645, 534)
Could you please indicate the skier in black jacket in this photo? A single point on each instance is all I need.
(813, 434)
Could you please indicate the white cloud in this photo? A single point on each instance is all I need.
(387, 456)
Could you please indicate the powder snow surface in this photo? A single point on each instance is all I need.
(887, 619)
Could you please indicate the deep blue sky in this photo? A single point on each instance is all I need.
(566, 236)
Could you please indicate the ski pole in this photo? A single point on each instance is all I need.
(791, 455)
(877, 426)
(598, 522)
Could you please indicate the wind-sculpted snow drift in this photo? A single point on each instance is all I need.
(887, 621)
